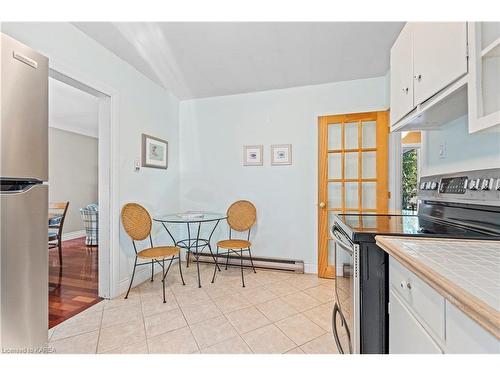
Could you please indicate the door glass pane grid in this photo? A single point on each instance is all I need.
(351, 135)
(353, 187)
(335, 136)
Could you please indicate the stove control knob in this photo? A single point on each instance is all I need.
(434, 185)
(423, 185)
(497, 187)
(474, 184)
(487, 184)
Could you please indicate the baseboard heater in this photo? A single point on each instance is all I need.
(278, 264)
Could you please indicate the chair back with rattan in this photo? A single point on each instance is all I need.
(136, 221)
(241, 215)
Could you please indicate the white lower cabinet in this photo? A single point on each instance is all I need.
(422, 321)
(463, 335)
(406, 334)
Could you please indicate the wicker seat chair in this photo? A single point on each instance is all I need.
(137, 223)
(241, 216)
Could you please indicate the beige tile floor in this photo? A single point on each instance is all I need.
(276, 312)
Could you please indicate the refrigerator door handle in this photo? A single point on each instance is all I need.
(17, 187)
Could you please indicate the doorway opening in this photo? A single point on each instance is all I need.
(73, 201)
(79, 174)
(410, 170)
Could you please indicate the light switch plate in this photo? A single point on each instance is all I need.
(442, 150)
(137, 165)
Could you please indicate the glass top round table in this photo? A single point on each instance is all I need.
(189, 217)
(193, 244)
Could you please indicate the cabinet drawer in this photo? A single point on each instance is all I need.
(463, 335)
(406, 335)
(426, 303)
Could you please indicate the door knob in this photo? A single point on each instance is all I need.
(322, 205)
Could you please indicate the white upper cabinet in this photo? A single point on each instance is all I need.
(402, 75)
(428, 64)
(439, 56)
(484, 75)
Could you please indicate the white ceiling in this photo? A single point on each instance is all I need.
(72, 109)
(202, 59)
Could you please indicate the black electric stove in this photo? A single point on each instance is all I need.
(364, 227)
(459, 206)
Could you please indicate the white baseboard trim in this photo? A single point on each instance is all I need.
(73, 235)
(340, 271)
(310, 268)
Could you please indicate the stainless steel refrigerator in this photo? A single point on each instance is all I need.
(24, 195)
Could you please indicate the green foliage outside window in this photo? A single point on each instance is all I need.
(409, 179)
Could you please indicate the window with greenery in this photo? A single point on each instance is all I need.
(410, 170)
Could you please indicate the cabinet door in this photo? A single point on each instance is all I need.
(402, 75)
(484, 75)
(440, 56)
(463, 335)
(406, 335)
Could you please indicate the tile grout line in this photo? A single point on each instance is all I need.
(184, 316)
(100, 327)
(144, 323)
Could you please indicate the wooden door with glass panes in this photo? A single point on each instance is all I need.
(353, 165)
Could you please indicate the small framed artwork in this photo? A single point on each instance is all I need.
(252, 155)
(154, 152)
(281, 154)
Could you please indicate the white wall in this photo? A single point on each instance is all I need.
(143, 107)
(72, 174)
(214, 130)
(464, 151)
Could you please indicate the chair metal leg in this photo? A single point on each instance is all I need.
(152, 270)
(165, 276)
(215, 268)
(187, 258)
(132, 278)
(163, 282)
(213, 257)
(198, 269)
(251, 259)
(180, 269)
(59, 247)
(227, 257)
(241, 266)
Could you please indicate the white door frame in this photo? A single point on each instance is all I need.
(108, 193)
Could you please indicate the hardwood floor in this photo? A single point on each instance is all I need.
(74, 287)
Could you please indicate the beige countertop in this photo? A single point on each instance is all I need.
(466, 272)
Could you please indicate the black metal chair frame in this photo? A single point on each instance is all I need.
(152, 263)
(240, 254)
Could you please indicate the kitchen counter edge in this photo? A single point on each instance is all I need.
(482, 313)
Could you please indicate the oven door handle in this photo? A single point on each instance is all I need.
(338, 240)
(336, 310)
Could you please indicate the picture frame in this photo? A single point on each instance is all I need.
(281, 154)
(253, 155)
(154, 152)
